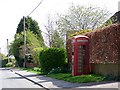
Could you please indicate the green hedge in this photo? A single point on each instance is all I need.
(52, 58)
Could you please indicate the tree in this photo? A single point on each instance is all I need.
(57, 40)
(82, 18)
(53, 37)
(49, 28)
(31, 25)
(2, 56)
(34, 40)
(17, 46)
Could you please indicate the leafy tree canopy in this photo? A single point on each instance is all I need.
(82, 18)
(57, 40)
(17, 47)
(31, 25)
(2, 56)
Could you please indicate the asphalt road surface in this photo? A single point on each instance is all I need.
(9, 79)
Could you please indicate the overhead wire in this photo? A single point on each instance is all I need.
(35, 8)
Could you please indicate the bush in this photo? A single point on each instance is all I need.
(59, 70)
(52, 58)
(9, 64)
(37, 69)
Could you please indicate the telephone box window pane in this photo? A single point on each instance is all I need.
(72, 54)
(72, 50)
(81, 57)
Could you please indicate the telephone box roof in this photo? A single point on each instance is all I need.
(80, 36)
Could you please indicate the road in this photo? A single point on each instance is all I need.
(9, 79)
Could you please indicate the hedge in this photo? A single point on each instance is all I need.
(52, 58)
(104, 45)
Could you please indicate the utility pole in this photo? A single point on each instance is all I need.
(24, 64)
(8, 50)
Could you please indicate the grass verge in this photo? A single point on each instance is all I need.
(33, 70)
(74, 79)
(77, 79)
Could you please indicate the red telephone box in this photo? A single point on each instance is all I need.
(80, 55)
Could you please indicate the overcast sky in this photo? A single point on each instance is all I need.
(11, 11)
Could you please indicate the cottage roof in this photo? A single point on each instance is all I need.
(114, 19)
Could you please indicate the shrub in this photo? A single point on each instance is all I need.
(59, 70)
(52, 58)
(9, 64)
(37, 69)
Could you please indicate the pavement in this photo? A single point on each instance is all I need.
(48, 83)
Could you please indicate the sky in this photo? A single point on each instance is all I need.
(11, 11)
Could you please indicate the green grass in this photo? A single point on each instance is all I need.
(32, 70)
(69, 78)
(77, 79)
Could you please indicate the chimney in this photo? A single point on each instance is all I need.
(118, 6)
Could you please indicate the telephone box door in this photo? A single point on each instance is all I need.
(80, 55)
